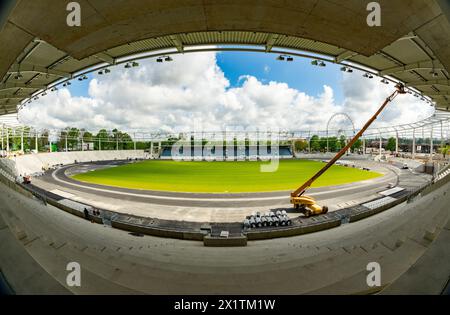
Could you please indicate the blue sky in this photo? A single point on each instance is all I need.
(299, 74)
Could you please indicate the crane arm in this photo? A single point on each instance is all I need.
(400, 89)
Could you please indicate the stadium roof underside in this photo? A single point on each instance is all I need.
(412, 44)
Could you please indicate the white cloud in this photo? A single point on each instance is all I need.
(193, 90)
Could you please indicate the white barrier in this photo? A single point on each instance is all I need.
(35, 163)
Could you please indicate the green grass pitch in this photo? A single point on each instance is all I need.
(221, 177)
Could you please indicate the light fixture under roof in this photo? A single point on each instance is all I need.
(384, 81)
(315, 62)
(127, 66)
(100, 72)
(159, 59)
(285, 58)
(168, 58)
(322, 64)
(346, 69)
(18, 76)
(135, 64)
(107, 70)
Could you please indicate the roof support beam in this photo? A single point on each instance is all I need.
(6, 99)
(32, 68)
(422, 65)
(438, 94)
(5, 86)
(177, 43)
(344, 56)
(428, 83)
(16, 94)
(106, 58)
(271, 40)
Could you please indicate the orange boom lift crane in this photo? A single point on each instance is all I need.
(307, 205)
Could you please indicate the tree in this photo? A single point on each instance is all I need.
(72, 138)
(43, 145)
(332, 143)
(342, 141)
(445, 150)
(300, 145)
(390, 146)
(61, 142)
(315, 143)
(357, 145)
(102, 140)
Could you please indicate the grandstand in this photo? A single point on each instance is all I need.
(220, 153)
(34, 164)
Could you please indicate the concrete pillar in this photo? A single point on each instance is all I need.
(117, 142)
(3, 145)
(66, 146)
(381, 146)
(413, 154)
(82, 141)
(7, 139)
(36, 146)
(151, 149)
(364, 146)
(431, 143)
(396, 142)
(442, 137)
(134, 140)
(99, 144)
(21, 142)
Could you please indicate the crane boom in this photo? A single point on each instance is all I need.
(400, 89)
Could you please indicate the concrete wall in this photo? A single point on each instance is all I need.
(34, 163)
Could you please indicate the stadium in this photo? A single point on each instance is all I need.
(303, 209)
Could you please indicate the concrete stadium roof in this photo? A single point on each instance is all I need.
(412, 45)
